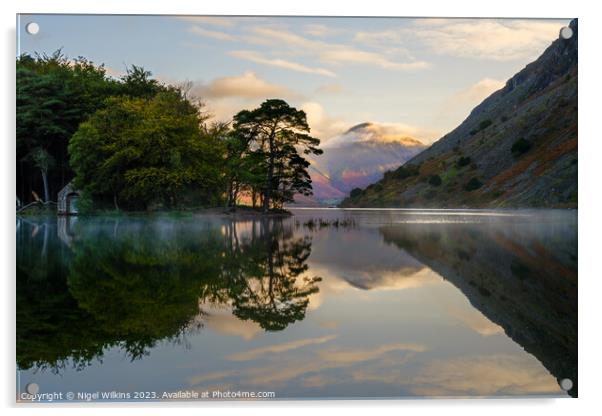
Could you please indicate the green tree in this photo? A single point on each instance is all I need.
(54, 95)
(278, 132)
(144, 151)
(137, 83)
(243, 167)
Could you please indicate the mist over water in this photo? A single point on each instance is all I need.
(326, 303)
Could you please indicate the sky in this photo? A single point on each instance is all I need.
(418, 77)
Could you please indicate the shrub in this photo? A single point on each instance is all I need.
(472, 184)
(406, 171)
(484, 124)
(463, 161)
(504, 119)
(435, 180)
(355, 192)
(520, 147)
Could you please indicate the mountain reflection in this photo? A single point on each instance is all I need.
(522, 277)
(86, 285)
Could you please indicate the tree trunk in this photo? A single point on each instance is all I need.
(115, 202)
(234, 196)
(46, 190)
(270, 179)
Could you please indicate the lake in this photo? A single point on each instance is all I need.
(326, 303)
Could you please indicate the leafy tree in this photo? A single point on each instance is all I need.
(137, 83)
(143, 151)
(54, 95)
(278, 132)
(244, 168)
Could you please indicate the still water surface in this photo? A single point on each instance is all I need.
(324, 304)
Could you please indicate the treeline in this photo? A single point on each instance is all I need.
(134, 143)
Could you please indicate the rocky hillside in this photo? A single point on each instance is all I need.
(518, 148)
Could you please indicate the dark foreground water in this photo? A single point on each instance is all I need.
(325, 304)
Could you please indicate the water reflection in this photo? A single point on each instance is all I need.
(522, 277)
(401, 304)
(132, 283)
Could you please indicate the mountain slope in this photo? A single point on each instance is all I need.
(518, 148)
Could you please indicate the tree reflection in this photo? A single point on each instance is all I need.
(134, 283)
(265, 275)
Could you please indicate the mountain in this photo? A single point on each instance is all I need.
(358, 158)
(518, 148)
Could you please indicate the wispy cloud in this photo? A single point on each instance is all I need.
(220, 21)
(280, 63)
(319, 30)
(278, 348)
(484, 376)
(330, 89)
(490, 39)
(477, 92)
(333, 53)
(358, 355)
(486, 39)
(214, 34)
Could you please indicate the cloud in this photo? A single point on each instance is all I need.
(322, 125)
(285, 368)
(213, 34)
(459, 104)
(211, 20)
(353, 356)
(477, 92)
(484, 376)
(281, 63)
(332, 53)
(224, 322)
(277, 348)
(476, 321)
(498, 40)
(319, 30)
(247, 85)
(329, 89)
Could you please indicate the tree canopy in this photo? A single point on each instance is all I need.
(136, 143)
(278, 132)
(139, 151)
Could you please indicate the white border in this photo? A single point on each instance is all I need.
(590, 153)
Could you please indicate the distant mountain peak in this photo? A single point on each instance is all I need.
(358, 127)
(374, 134)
